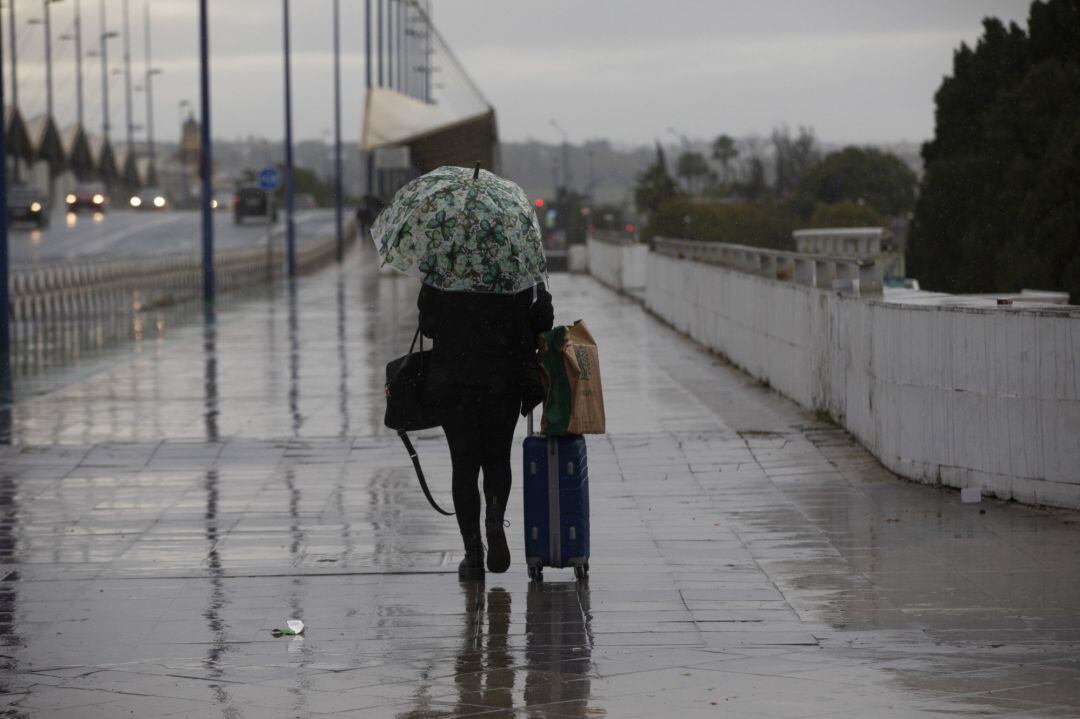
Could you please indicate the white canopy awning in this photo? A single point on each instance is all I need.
(391, 118)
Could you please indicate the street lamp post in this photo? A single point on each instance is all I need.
(46, 23)
(103, 52)
(206, 161)
(14, 62)
(367, 84)
(129, 115)
(390, 44)
(290, 205)
(338, 183)
(5, 298)
(401, 45)
(76, 37)
(564, 194)
(149, 84)
(565, 154)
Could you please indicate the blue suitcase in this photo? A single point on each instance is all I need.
(556, 504)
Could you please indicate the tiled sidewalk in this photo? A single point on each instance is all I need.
(160, 516)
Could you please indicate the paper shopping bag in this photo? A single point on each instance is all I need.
(574, 396)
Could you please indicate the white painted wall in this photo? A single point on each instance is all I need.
(961, 396)
(620, 266)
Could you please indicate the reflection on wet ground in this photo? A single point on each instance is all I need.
(160, 516)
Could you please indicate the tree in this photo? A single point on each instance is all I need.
(999, 205)
(724, 152)
(654, 186)
(794, 156)
(755, 184)
(880, 179)
(760, 224)
(691, 166)
(846, 213)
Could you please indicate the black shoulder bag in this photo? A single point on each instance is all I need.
(405, 410)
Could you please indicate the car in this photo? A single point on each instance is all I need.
(149, 199)
(88, 197)
(26, 203)
(252, 201)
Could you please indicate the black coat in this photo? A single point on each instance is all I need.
(483, 341)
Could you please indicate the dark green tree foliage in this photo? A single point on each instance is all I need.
(654, 186)
(880, 179)
(846, 213)
(999, 207)
(724, 152)
(761, 224)
(756, 185)
(692, 167)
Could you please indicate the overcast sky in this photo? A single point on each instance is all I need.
(626, 70)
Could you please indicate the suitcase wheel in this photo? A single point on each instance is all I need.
(581, 571)
(536, 573)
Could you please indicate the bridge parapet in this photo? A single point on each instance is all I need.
(841, 241)
(858, 274)
(959, 391)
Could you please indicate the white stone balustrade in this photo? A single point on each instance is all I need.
(858, 242)
(962, 393)
(809, 269)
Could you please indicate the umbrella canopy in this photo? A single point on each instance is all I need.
(462, 230)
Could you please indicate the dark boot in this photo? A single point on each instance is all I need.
(472, 566)
(498, 559)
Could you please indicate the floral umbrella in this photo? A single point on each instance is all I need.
(462, 230)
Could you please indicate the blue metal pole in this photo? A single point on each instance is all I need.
(5, 298)
(379, 36)
(290, 206)
(402, 39)
(206, 160)
(367, 83)
(390, 44)
(338, 180)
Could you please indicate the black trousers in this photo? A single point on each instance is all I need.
(479, 428)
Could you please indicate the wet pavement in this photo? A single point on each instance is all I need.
(166, 506)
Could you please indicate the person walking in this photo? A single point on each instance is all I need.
(478, 383)
(473, 240)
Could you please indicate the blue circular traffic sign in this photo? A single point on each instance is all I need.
(269, 179)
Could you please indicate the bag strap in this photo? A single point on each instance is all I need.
(420, 473)
(412, 347)
(414, 338)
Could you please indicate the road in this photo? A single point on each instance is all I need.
(132, 234)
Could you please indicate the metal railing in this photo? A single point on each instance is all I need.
(96, 287)
(861, 274)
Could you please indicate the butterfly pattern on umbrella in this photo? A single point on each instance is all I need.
(463, 231)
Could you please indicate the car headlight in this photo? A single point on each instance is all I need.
(35, 207)
(71, 199)
(99, 199)
(136, 202)
(159, 201)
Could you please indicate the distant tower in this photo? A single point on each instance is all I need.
(190, 144)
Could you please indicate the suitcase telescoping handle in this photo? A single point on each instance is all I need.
(531, 428)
